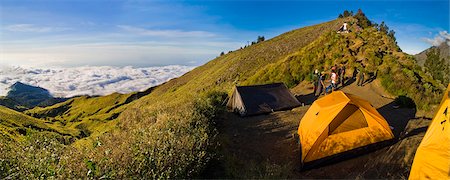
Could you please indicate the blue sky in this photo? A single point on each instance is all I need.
(150, 33)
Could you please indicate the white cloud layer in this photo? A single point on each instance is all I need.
(90, 80)
(440, 38)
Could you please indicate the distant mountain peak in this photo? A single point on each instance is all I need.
(444, 52)
(28, 96)
(19, 87)
(19, 84)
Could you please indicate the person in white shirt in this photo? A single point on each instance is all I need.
(344, 27)
(334, 77)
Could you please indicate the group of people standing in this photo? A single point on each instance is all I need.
(337, 76)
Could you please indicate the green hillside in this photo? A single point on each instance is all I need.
(16, 125)
(223, 72)
(76, 118)
(7, 102)
(85, 114)
(375, 49)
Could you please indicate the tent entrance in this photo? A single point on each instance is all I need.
(350, 118)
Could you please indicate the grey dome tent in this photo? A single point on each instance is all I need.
(260, 99)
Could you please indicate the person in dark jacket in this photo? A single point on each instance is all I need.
(361, 75)
(320, 84)
(341, 75)
(315, 79)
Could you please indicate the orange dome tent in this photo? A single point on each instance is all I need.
(340, 122)
(432, 159)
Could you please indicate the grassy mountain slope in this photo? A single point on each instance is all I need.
(13, 124)
(377, 51)
(228, 70)
(85, 114)
(7, 102)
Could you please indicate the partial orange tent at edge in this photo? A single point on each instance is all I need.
(432, 159)
(340, 122)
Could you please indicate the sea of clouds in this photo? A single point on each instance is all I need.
(89, 80)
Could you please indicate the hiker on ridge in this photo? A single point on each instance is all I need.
(361, 75)
(320, 84)
(355, 73)
(315, 79)
(343, 28)
(342, 75)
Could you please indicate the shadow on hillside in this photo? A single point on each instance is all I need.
(371, 77)
(349, 81)
(397, 117)
(307, 99)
